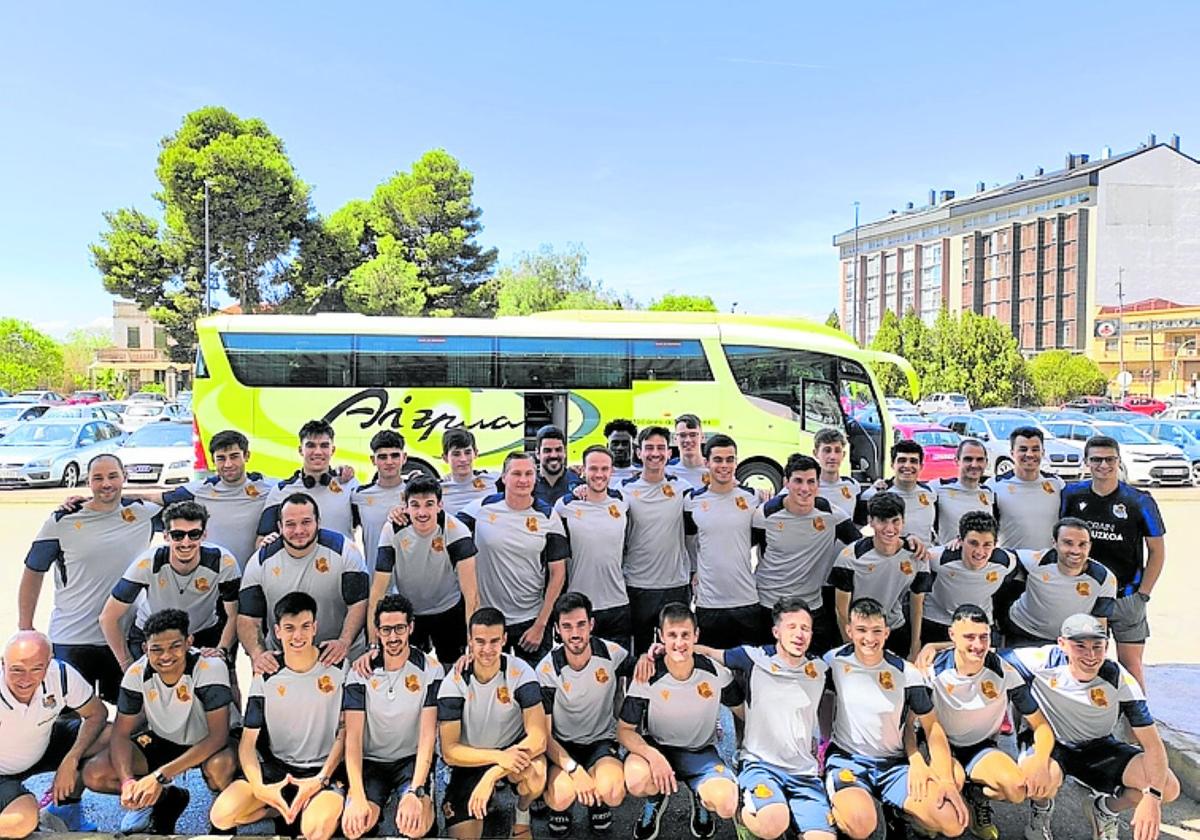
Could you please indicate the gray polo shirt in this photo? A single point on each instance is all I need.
(971, 708)
(681, 713)
(582, 704)
(392, 702)
(871, 702)
(423, 567)
(456, 495)
(920, 507)
(721, 523)
(200, 593)
(177, 713)
(655, 557)
(370, 505)
(1026, 510)
(865, 573)
(596, 531)
(842, 494)
(955, 584)
(298, 712)
(953, 501)
(796, 551)
(492, 713)
(89, 551)
(332, 498)
(1051, 596)
(514, 549)
(234, 510)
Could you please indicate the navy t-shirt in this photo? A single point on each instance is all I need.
(1118, 523)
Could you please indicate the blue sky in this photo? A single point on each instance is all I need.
(712, 148)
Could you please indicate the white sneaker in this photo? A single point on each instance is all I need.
(1038, 827)
(1104, 825)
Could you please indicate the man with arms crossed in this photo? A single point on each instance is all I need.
(493, 727)
(431, 561)
(172, 715)
(88, 550)
(391, 728)
(1082, 694)
(972, 573)
(371, 503)
(1128, 538)
(297, 710)
(464, 484)
(1026, 499)
(318, 479)
(689, 438)
(36, 692)
(964, 494)
(920, 502)
(842, 492)
(581, 683)
(518, 539)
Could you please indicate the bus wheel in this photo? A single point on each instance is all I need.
(761, 475)
(416, 465)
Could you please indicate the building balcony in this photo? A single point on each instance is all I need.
(128, 356)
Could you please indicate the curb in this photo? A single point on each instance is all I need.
(1183, 756)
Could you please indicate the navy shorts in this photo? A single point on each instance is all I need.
(695, 767)
(1099, 764)
(62, 738)
(381, 778)
(765, 784)
(884, 778)
(969, 756)
(97, 664)
(588, 755)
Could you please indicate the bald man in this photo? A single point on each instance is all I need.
(36, 690)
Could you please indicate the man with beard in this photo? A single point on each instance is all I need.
(318, 479)
(1026, 499)
(964, 494)
(581, 682)
(972, 573)
(620, 435)
(89, 550)
(464, 484)
(187, 574)
(689, 439)
(372, 502)
(309, 559)
(554, 480)
(920, 502)
(391, 728)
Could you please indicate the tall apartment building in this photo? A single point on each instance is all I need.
(1041, 254)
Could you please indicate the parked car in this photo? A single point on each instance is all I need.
(1143, 405)
(940, 445)
(944, 402)
(159, 453)
(994, 429)
(899, 405)
(148, 396)
(184, 398)
(84, 411)
(1061, 414)
(87, 397)
(40, 396)
(138, 414)
(1143, 459)
(1120, 415)
(1008, 412)
(54, 451)
(1182, 433)
(13, 413)
(1181, 412)
(1090, 405)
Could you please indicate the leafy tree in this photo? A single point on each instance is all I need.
(1060, 375)
(386, 284)
(833, 320)
(682, 303)
(542, 281)
(28, 358)
(78, 351)
(112, 382)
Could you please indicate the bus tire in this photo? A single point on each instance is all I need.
(764, 471)
(417, 465)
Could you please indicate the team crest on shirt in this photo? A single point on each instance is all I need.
(566, 687)
(818, 523)
(870, 567)
(78, 526)
(144, 740)
(1120, 512)
(479, 484)
(601, 676)
(846, 669)
(1047, 486)
(227, 561)
(502, 694)
(152, 695)
(579, 513)
(128, 515)
(704, 505)
(613, 511)
(405, 542)
(988, 689)
(325, 684)
(201, 584)
(438, 544)
(374, 685)
(321, 564)
(182, 693)
(885, 680)
(845, 775)
(845, 492)
(666, 694)
(531, 524)
(741, 503)
(514, 672)
(413, 683)
(810, 670)
(668, 491)
(277, 570)
(49, 701)
(143, 564)
(949, 688)
(774, 668)
(162, 581)
(704, 690)
(1083, 588)
(992, 576)
(281, 690)
(1098, 697)
(983, 499)
(762, 791)
(906, 567)
(334, 487)
(252, 491)
(923, 499)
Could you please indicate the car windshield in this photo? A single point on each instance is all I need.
(1126, 434)
(1002, 427)
(144, 410)
(41, 434)
(936, 437)
(1192, 427)
(69, 411)
(161, 434)
(119, 408)
(11, 412)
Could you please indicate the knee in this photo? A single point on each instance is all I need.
(24, 813)
(857, 824)
(223, 813)
(769, 823)
(722, 796)
(612, 792)
(219, 771)
(946, 820)
(1171, 788)
(1011, 788)
(96, 775)
(560, 794)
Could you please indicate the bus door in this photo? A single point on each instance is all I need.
(544, 408)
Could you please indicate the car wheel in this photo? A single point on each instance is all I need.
(70, 476)
(1196, 473)
(761, 475)
(1004, 466)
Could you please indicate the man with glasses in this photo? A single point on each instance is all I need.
(691, 465)
(1127, 538)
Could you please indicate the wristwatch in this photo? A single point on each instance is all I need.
(421, 791)
(1152, 791)
(163, 779)
(571, 766)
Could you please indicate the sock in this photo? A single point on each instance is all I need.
(520, 815)
(1102, 804)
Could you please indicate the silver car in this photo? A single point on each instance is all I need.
(1061, 459)
(54, 451)
(13, 413)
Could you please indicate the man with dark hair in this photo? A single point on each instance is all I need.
(188, 574)
(493, 727)
(522, 551)
(841, 491)
(391, 727)
(308, 559)
(464, 484)
(882, 568)
(295, 770)
(581, 681)
(371, 503)
(88, 549)
(318, 479)
(689, 439)
(719, 516)
(42, 736)
(971, 573)
(1026, 499)
(554, 480)
(172, 715)
(964, 494)
(596, 518)
(875, 693)
(657, 568)
(798, 535)
(920, 501)
(620, 435)
(431, 561)
(1128, 538)
(669, 726)
(1059, 582)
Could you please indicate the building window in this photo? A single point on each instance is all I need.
(160, 338)
(1111, 345)
(1141, 343)
(133, 338)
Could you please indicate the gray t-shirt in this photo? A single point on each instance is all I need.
(89, 552)
(1051, 596)
(582, 704)
(298, 712)
(721, 523)
(332, 498)
(920, 507)
(456, 495)
(177, 713)
(514, 549)
(655, 557)
(596, 531)
(234, 510)
(871, 701)
(841, 494)
(955, 584)
(681, 713)
(423, 567)
(796, 551)
(1026, 510)
(200, 593)
(697, 476)
(27, 727)
(971, 708)
(392, 702)
(370, 505)
(953, 501)
(492, 713)
(865, 573)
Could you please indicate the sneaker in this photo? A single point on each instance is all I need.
(538, 807)
(646, 827)
(601, 818)
(703, 824)
(1038, 827)
(50, 824)
(168, 809)
(559, 823)
(136, 821)
(71, 813)
(982, 824)
(1104, 825)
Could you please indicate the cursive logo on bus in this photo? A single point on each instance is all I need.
(371, 405)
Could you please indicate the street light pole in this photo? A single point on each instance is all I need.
(1121, 327)
(855, 263)
(207, 270)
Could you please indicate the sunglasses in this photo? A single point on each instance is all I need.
(194, 535)
(389, 456)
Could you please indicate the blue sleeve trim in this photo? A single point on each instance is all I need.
(385, 559)
(252, 602)
(213, 697)
(450, 708)
(268, 523)
(356, 586)
(129, 702)
(1137, 713)
(42, 555)
(354, 697)
(919, 699)
(126, 591)
(255, 717)
(634, 710)
(528, 695)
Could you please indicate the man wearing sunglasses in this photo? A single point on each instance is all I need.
(186, 574)
(1127, 537)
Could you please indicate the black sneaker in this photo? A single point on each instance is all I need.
(212, 829)
(558, 823)
(538, 807)
(601, 818)
(703, 824)
(168, 809)
(646, 827)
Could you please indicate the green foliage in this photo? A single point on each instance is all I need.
(682, 303)
(387, 284)
(111, 381)
(1060, 375)
(153, 388)
(833, 320)
(78, 351)
(542, 281)
(28, 358)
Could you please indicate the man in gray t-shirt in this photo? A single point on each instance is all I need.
(316, 477)
(920, 500)
(1026, 499)
(371, 503)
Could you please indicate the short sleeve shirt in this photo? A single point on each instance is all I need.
(681, 713)
(1119, 524)
(456, 495)
(841, 494)
(796, 551)
(872, 702)
(697, 476)
(234, 510)
(492, 713)
(200, 593)
(971, 708)
(177, 713)
(423, 567)
(865, 573)
(371, 504)
(953, 501)
(1051, 596)
(655, 557)
(89, 551)
(920, 507)
(596, 531)
(582, 704)
(721, 523)
(297, 711)
(332, 498)
(27, 727)
(392, 703)
(1026, 510)
(955, 583)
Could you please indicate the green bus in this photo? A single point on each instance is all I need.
(770, 383)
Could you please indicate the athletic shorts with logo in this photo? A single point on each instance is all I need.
(764, 784)
(884, 778)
